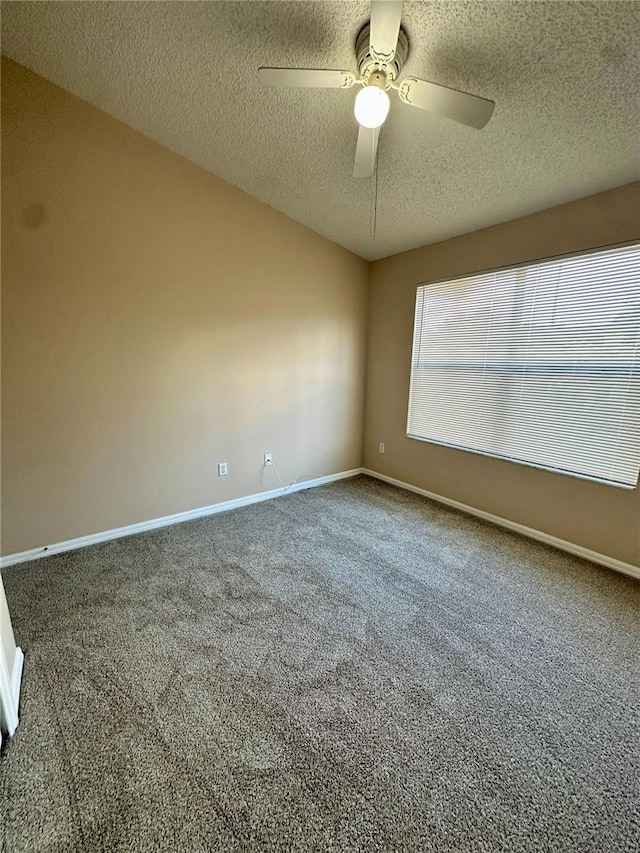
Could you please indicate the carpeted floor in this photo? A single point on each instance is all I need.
(350, 668)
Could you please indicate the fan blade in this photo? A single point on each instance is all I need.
(384, 28)
(459, 106)
(366, 149)
(305, 78)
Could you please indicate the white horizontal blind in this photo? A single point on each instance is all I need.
(538, 364)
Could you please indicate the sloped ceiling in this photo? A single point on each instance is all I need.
(565, 77)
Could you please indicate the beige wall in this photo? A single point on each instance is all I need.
(156, 321)
(603, 518)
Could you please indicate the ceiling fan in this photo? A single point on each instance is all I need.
(382, 48)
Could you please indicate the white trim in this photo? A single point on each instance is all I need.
(130, 530)
(165, 521)
(530, 532)
(16, 676)
(8, 718)
(10, 692)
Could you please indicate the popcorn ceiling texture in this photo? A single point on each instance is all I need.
(564, 75)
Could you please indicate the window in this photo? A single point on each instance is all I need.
(539, 364)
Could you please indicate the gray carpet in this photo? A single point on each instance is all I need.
(350, 668)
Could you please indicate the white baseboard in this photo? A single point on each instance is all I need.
(16, 681)
(10, 692)
(165, 521)
(530, 532)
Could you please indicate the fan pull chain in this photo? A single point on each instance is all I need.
(374, 213)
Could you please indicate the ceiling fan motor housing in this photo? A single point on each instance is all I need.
(368, 64)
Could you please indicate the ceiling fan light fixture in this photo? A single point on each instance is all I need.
(371, 106)
(381, 49)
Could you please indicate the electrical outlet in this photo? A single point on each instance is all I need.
(267, 460)
(222, 469)
(381, 447)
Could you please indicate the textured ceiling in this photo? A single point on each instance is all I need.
(565, 77)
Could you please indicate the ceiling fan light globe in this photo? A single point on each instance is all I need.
(371, 106)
